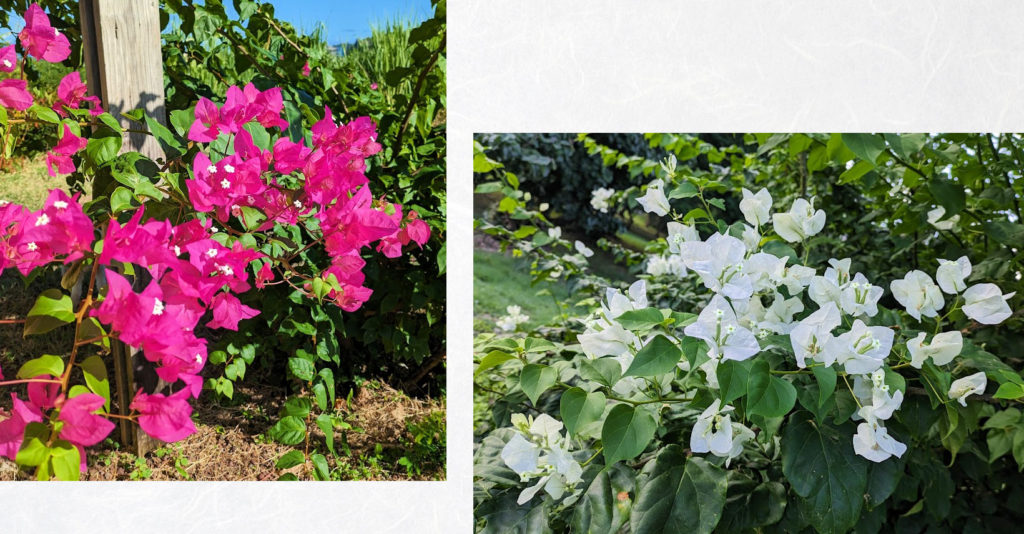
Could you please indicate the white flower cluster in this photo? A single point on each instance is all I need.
(599, 198)
(538, 450)
(742, 277)
(515, 317)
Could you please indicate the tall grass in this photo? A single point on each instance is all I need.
(386, 48)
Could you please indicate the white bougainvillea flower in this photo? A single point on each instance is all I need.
(765, 270)
(713, 431)
(986, 304)
(778, 317)
(583, 249)
(812, 336)
(606, 337)
(800, 222)
(860, 297)
(829, 288)
(740, 436)
(555, 232)
(873, 442)
(961, 388)
(616, 303)
(880, 403)
(655, 201)
(599, 198)
(718, 326)
(863, 349)
(672, 264)
(943, 348)
(936, 214)
(951, 274)
(751, 238)
(520, 455)
(719, 262)
(515, 317)
(796, 278)
(756, 208)
(918, 294)
(679, 233)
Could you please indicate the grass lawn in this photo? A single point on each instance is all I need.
(499, 281)
(28, 183)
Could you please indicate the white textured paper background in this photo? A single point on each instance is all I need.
(592, 65)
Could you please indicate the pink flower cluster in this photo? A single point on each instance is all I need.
(40, 40)
(335, 190)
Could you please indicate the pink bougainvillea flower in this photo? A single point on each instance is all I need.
(167, 418)
(305, 69)
(43, 395)
(143, 244)
(373, 86)
(266, 106)
(60, 157)
(60, 228)
(40, 39)
(8, 59)
(71, 93)
(14, 94)
(207, 124)
(264, 275)
(228, 310)
(289, 156)
(12, 429)
(415, 230)
(81, 424)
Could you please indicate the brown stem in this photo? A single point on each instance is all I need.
(86, 303)
(12, 321)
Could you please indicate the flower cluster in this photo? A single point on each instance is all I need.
(538, 450)
(515, 317)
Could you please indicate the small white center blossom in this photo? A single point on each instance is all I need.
(226, 269)
(863, 349)
(199, 359)
(951, 274)
(212, 253)
(42, 220)
(718, 326)
(297, 204)
(943, 348)
(158, 307)
(800, 222)
(538, 450)
(177, 250)
(678, 234)
(986, 304)
(225, 183)
(32, 247)
(860, 297)
(962, 388)
(655, 201)
(211, 169)
(918, 294)
(229, 169)
(60, 204)
(8, 64)
(811, 336)
(599, 199)
(756, 208)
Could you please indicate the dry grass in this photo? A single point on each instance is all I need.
(28, 182)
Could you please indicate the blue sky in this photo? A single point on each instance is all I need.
(345, 20)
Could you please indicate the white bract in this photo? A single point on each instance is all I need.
(671, 264)
(715, 432)
(859, 297)
(943, 348)
(961, 388)
(811, 336)
(861, 350)
(936, 214)
(717, 325)
(756, 208)
(583, 249)
(655, 201)
(538, 450)
(678, 234)
(986, 304)
(515, 317)
(918, 294)
(873, 442)
(951, 274)
(720, 263)
(800, 222)
(599, 198)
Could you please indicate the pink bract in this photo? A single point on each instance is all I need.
(14, 94)
(40, 39)
(167, 418)
(12, 429)
(81, 425)
(71, 93)
(8, 59)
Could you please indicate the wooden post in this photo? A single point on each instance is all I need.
(124, 67)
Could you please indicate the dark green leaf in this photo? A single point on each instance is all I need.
(679, 495)
(626, 433)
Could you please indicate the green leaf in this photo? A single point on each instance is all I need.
(732, 379)
(96, 379)
(534, 344)
(826, 377)
(579, 408)
(66, 460)
(1005, 232)
(640, 319)
(820, 464)
(33, 449)
(51, 309)
(172, 147)
(297, 406)
(301, 368)
(950, 195)
(658, 357)
(604, 371)
(46, 364)
(536, 379)
(883, 477)
(626, 433)
(775, 399)
(1009, 390)
(290, 459)
(289, 430)
(103, 149)
(679, 495)
(866, 146)
(320, 468)
(600, 508)
(326, 425)
(121, 199)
